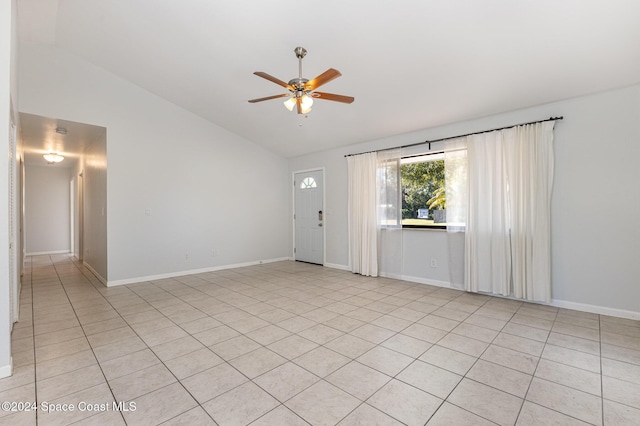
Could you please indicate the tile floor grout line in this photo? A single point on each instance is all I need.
(98, 362)
(198, 404)
(312, 292)
(33, 325)
(160, 361)
(601, 370)
(361, 402)
(87, 339)
(560, 384)
(533, 374)
(230, 365)
(436, 344)
(464, 376)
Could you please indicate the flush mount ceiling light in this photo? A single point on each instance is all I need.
(53, 157)
(301, 90)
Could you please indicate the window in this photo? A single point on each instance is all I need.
(308, 182)
(423, 191)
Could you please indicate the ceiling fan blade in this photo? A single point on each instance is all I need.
(299, 105)
(332, 97)
(273, 79)
(323, 78)
(253, 101)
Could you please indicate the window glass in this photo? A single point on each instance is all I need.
(424, 200)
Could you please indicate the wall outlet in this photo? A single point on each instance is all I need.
(186, 255)
(434, 263)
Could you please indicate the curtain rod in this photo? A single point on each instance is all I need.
(459, 136)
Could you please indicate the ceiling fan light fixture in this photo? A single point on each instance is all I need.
(53, 158)
(290, 103)
(306, 101)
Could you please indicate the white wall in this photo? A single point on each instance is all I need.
(206, 190)
(47, 209)
(595, 202)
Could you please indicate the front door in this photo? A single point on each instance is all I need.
(309, 217)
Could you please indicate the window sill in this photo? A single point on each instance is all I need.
(427, 228)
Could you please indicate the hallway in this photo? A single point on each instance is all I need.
(293, 344)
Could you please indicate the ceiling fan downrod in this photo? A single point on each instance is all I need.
(298, 83)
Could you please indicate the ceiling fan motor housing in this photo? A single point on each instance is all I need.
(298, 85)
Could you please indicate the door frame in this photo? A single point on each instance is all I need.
(324, 211)
(80, 218)
(72, 215)
(15, 283)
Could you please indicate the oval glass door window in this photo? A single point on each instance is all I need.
(308, 182)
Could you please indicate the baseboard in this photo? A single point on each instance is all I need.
(601, 310)
(594, 309)
(418, 280)
(338, 266)
(427, 281)
(6, 370)
(38, 253)
(126, 281)
(93, 271)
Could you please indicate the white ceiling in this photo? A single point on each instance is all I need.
(409, 64)
(39, 137)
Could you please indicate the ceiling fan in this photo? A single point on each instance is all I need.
(302, 91)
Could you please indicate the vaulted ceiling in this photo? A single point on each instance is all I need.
(410, 64)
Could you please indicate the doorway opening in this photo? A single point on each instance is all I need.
(66, 202)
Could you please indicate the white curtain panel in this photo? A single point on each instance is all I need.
(362, 214)
(390, 236)
(457, 191)
(488, 261)
(530, 174)
(507, 239)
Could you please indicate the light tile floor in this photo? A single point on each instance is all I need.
(294, 344)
